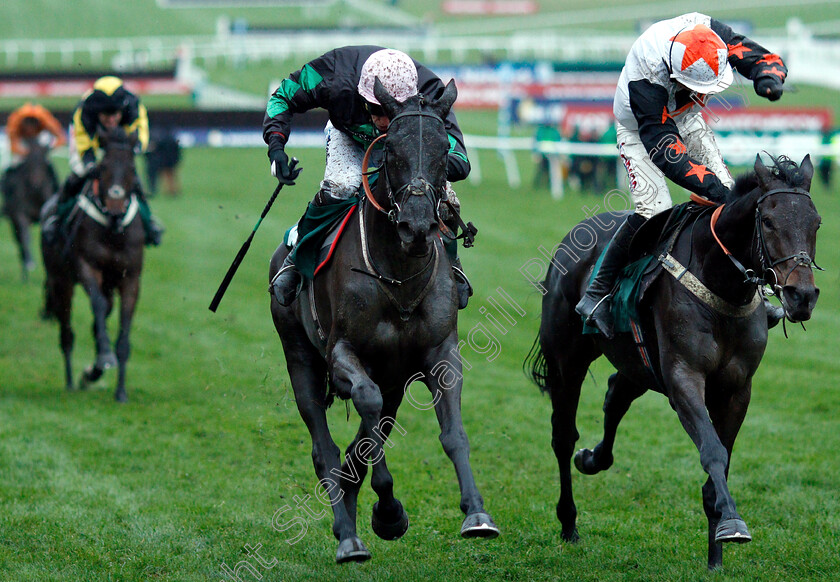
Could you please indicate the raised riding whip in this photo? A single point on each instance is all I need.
(220, 292)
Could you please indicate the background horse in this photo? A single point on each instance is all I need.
(103, 251)
(382, 315)
(703, 354)
(25, 189)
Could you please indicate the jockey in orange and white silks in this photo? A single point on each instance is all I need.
(667, 77)
(28, 122)
(671, 70)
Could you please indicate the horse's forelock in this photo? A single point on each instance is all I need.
(782, 168)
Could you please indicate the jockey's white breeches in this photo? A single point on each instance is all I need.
(343, 171)
(647, 182)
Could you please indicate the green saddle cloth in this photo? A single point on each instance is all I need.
(625, 298)
(313, 229)
(628, 290)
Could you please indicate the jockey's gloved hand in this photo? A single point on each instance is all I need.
(768, 87)
(280, 168)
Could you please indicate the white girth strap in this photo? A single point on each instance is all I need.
(703, 293)
(89, 208)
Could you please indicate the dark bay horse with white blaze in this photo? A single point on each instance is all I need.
(25, 189)
(382, 314)
(702, 352)
(103, 251)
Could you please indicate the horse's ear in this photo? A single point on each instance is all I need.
(806, 169)
(764, 175)
(444, 104)
(389, 104)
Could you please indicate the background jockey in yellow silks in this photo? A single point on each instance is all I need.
(107, 105)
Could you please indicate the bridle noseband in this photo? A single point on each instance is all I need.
(426, 187)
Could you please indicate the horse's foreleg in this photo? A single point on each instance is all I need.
(444, 379)
(91, 280)
(353, 470)
(129, 293)
(686, 394)
(308, 374)
(727, 415)
(620, 395)
(389, 527)
(20, 229)
(349, 374)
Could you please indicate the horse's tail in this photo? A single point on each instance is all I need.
(535, 366)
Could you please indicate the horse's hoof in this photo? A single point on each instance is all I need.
(571, 537)
(121, 397)
(585, 462)
(479, 525)
(732, 530)
(106, 361)
(582, 458)
(90, 375)
(389, 530)
(351, 550)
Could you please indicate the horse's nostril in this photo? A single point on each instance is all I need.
(404, 230)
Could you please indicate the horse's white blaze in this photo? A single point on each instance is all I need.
(116, 192)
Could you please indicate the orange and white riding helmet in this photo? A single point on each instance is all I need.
(396, 71)
(698, 60)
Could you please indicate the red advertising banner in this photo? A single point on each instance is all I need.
(76, 87)
(490, 7)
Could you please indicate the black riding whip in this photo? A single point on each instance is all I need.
(241, 254)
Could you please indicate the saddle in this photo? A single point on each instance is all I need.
(314, 238)
(656, 236)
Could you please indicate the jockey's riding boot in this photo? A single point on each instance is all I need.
(286, 283)
(775, 313)
(49, 229)
(51, 225)
(71, 188)
(595, 303)
(462, 283)
(154, 229)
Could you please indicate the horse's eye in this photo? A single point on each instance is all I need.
(767, 222)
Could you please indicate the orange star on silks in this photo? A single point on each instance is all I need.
(703, 43)
(738, 50)
(698, 170)
(776, 71)
(679, 149)
(772, 59)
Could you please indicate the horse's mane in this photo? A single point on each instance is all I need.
(783, 168)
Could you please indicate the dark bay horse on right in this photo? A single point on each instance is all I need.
(704, 326)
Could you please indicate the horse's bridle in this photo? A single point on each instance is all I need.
(427, 189)
(800, 259)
